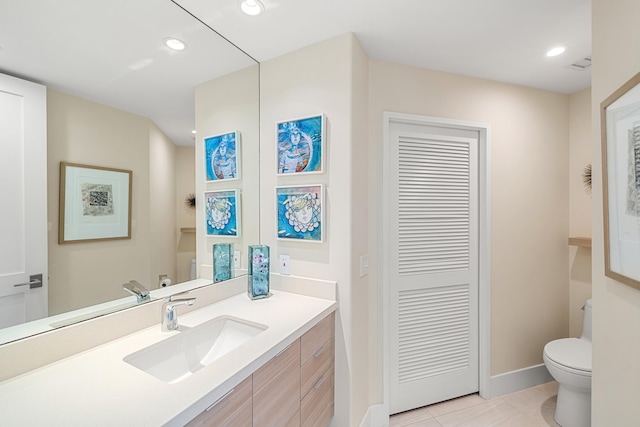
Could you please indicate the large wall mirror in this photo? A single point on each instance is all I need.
(119, 97)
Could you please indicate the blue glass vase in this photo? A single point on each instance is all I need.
(258, 286)
(222, 262)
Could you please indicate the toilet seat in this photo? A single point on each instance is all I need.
(570, 354)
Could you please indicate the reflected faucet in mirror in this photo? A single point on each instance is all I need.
(136, 289)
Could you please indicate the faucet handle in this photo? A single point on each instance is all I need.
(177, 295)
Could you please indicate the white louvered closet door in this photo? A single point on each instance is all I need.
(433, 264)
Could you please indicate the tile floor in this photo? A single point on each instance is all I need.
(532, 407)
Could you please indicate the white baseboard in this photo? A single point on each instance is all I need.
(376, 416)
(517, 380)
(499, 385)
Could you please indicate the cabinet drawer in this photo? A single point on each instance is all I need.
(317, 407)
(315, 338)
(234, 409)
(316, 366)
(276, 390)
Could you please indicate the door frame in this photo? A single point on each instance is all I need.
(484, 282)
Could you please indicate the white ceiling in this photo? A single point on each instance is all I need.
(72, 45)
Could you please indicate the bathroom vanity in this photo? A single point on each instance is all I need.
(283, 374)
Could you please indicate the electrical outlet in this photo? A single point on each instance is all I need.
(236, 259)
(284, 264)
(364, 265)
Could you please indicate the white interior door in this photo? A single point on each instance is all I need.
(433, 263)
(23, 195)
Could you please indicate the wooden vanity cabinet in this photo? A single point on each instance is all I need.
(232, 410)
(317, 374)
(276, 390)
(295, 388)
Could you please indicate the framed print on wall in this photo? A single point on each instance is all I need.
(95, 203)
(222, 156)
(222, 213)
(620, 121)
(300, 145)
(300, 212)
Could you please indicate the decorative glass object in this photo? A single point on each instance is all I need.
(258, 286)
(222, 262)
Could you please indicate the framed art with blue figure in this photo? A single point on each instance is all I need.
(300, 213)
(301, 145)
(222, 213)
(222, 154)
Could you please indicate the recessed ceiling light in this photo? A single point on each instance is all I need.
(556, 51)
(175, 44)
(251, 7)
(193, 132)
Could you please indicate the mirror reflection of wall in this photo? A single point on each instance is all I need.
(86, 132)
(117, 97)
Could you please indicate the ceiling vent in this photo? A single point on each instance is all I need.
(581, 64)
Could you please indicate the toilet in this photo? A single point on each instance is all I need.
(569, 363)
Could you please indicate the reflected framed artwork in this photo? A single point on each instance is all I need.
(222, 157)
(222, 213)
(620, 121)
(301, 145)
(300, 213)
(95, 203)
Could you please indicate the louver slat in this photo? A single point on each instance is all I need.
(433, 206)
(433, 332)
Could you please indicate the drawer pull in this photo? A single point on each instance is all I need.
(320, 381)
(219, 400)
(320, 350)
(283, 350)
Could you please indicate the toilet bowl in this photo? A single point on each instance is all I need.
(569, 363)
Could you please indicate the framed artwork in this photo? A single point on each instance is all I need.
(300, 145)
(95, 203)
(300, 212)
(222, 213)
(620, 116)
(222, 156)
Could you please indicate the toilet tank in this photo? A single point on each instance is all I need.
(586, 321)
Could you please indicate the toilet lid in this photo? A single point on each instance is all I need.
(571, 352)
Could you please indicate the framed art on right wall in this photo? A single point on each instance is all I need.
(301, 145)
(300, 213)
(620, 120)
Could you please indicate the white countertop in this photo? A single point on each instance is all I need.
(98, 388)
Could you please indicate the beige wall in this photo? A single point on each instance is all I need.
(186, 217)
(579, 206)
(329, 78)
(616, 307)
(81, 131)
(162, 195)
(227, 104)
(528, 198)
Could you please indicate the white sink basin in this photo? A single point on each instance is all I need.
(180, 356)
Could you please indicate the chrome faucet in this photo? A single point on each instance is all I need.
(170, 313)
(136, 289)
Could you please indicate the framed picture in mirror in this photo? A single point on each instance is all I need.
(95, 203)
(222, 154)
(222, 213)
(301, 145)
(620, 120)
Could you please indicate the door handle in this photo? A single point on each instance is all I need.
(35, 281)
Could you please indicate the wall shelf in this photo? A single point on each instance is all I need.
(187, 229)
(583, 242)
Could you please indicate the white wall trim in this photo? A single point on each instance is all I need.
(498, 385)
(484, 291)
(517, 380)
(375, 417)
